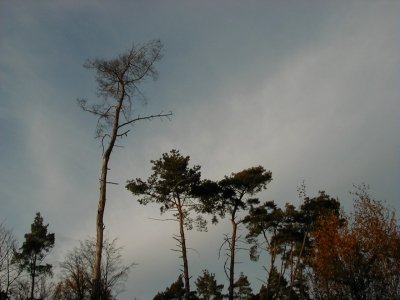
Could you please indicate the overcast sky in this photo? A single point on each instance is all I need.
(308, 89)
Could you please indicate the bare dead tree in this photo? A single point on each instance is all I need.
(9, 270)
(118, 83)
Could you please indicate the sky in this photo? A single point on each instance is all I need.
(308, 89)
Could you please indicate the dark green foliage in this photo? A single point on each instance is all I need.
(264, 220)
(237, 187)
(242, 289)
(175, 291)
(172, 181)
(285, 236)
(36, 246)
(235, 195)
(277, 285)
(313, 208)
(207, 287)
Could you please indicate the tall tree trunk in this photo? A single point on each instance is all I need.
(96, 293)
(100, 230)
(232, 262)
(184, 254)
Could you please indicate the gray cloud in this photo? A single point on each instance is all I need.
(308, 92)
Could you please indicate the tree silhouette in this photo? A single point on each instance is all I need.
(77, 266)
(264, 220)
(9, 270)
(118, 85)
(242, 289)
(207, 287)
(175, 291)
(235, 194)
(172, 186)
(33, 251)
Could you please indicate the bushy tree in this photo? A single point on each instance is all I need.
(359, 257)
(34, 250)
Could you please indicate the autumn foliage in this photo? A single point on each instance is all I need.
(357, 254)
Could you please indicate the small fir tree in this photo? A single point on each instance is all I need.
(242, 289)
(207, 287)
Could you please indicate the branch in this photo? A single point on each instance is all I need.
(226, 240)
(226, 268)
(110, 182)
(160, 115)
(155, 219)
(156, 57)
(194, 250)
(124, 133)
(94, 110)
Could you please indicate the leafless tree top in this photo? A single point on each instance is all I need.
(118, 82)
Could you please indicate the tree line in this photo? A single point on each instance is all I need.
(313, 251)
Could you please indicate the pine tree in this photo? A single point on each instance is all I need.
(242, 289)
(236, 194)
(172, 185)
(207, 287)
(175, 291)
(37, 245)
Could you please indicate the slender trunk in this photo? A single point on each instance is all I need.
(294, 272)
(273, 256)
(232, 263)
(184, 254)
(100, 230)
(8, 276)
(281, 274)
(33, 274)
(96, 292)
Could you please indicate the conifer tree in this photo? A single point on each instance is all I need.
(242, 289)
(172, 185)
(207, 286)
(33, 251)
(234, 194)
(174, 291)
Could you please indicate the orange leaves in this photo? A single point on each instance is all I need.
(361, 254)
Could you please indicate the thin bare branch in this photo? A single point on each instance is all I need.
(160, 115)
(162, 220)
